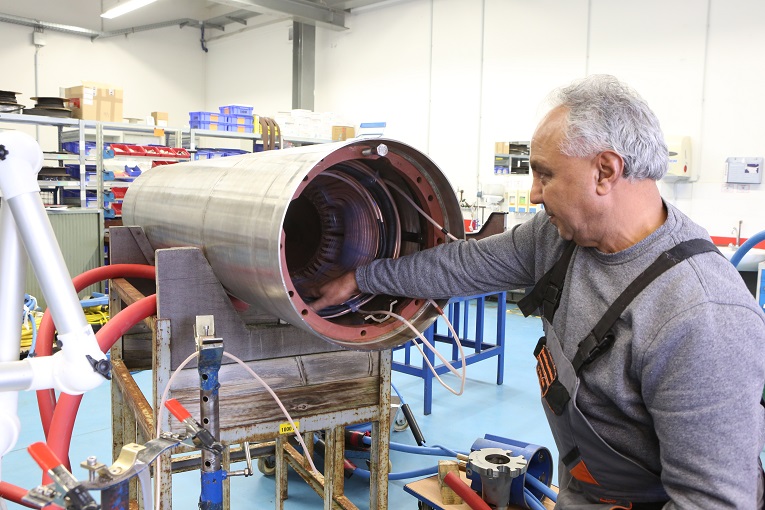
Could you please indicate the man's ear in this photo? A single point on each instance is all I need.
(610, 166)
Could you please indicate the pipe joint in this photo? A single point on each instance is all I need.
(74, 372)
(20, 160)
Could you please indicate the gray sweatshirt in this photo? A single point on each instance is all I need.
(679, 392)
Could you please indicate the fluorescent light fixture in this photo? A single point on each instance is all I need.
(125, 7)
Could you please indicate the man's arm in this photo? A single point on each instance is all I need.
(702, 384)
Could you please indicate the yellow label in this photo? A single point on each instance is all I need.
(286, 428)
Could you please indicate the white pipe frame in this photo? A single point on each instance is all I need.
(25, 225)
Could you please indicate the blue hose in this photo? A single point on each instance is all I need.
(748, 245)
(432, 470)
(532, 500)
(541, 487)
(420, 450)
(400, 397)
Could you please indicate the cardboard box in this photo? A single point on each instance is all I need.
(95, 101)
(160, 118)
(501, 147)
(343, 132)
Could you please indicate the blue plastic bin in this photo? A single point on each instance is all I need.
(236, 109)
(205, 117)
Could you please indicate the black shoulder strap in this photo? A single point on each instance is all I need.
(547, 292)
(601, 337)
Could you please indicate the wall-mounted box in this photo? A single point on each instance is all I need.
(743, 170)
(679, 164)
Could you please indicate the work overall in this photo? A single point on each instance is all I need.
(596, 475)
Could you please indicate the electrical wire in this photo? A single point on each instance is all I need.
(462, 375)
(166, 393)
(423, 213)
(281, 406)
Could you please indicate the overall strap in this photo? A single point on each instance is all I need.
(601, 337)
(548, 290)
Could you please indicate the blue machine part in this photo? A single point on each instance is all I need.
(212, 490)
(540, 467)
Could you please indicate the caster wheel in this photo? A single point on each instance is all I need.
(400, 424)
(267, 465)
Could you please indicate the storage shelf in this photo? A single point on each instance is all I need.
(76, 185)
(57, 156)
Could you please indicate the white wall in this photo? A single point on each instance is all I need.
(253, 67)
(159, 70)
(451, 77)
(489, 65)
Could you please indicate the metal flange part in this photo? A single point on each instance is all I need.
(497, 469)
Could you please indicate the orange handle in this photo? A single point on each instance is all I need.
(44, 456)
(177, 409)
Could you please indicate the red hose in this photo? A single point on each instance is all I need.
(470, 498)
(66, 410)
(46, 399)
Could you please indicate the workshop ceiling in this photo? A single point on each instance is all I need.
(82, 17)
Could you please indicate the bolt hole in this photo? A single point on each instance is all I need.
(439, 241)
(430, 198)
(208, 463)
(419, 180)
(363, 332)
(304, 312)
(204, 377)
(205, 399)
(206, 421)
(417, 302)
(291, 293)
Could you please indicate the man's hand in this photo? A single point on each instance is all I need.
(336, 291)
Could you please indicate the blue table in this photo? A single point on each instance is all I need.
(458, 313)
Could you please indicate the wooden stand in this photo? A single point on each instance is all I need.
(322, 386)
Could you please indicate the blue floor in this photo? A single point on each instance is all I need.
(512, 410)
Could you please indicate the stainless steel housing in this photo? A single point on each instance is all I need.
(274, 225)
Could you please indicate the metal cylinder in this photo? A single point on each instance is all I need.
(276, 225)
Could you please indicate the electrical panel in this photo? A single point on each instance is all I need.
(679, 166)
(744, 170)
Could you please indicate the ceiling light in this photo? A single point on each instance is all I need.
(125, 7)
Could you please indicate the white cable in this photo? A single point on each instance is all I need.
(424, 340)
(157, 467)
(424, 214)
(281, 406)
(166, 392)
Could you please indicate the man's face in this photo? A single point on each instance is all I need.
(565, 185)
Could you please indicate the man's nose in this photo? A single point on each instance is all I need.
(535, 196)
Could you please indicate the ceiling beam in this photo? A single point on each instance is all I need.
(57, 27)
(303, 12)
